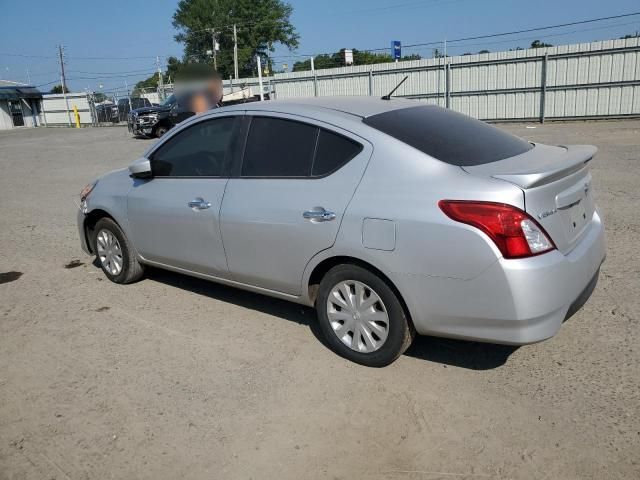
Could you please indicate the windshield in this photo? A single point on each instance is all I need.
(450, 137)
(170, 100)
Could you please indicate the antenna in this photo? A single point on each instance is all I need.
(388, 95)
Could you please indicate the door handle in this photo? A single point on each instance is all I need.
(319, 215)
(199, 204)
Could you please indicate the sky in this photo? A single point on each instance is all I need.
(110, 44)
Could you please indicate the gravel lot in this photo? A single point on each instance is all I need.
(175, 377)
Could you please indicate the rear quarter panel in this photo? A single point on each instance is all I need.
(404, 186)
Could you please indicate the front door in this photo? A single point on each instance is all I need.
(174, 217)
(294, 186)
(15, 109)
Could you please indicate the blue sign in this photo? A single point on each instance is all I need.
(396, 50)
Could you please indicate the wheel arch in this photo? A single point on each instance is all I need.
(321, 269)
(90, 221)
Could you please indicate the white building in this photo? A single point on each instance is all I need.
(20, 105)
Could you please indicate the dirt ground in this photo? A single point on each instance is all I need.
(174, 377)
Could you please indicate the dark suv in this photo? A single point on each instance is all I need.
(124, 107)
(155, 121)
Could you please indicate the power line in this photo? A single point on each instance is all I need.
(550, 35)
(493, 35)
(108, 73)
(408, 46)
(401, 6)
(537, 29)
(28, 56)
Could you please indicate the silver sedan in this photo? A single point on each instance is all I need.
(391, 217)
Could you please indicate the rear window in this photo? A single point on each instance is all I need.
(449, 136)
(332, 152)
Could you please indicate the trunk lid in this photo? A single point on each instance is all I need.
(556, 183)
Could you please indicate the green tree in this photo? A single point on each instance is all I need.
(539, 44)
(630, 35)
(261, 24)
(58, 89)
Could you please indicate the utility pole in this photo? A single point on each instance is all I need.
(313, 66)
(28, 77)
(213, 47)
(63, 80)
(235, 52)
(160, 80)
(260, 78)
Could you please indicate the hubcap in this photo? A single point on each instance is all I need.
(109, 252)
(358, 316)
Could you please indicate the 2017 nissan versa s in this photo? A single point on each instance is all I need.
(391, 217)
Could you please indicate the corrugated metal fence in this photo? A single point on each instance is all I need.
(580, 81)
(57, 111)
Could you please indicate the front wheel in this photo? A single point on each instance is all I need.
(361, 316)
(115, 254)
(161, 130)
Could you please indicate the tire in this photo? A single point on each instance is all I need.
(380, 340)
(160, 130)
(130, 270)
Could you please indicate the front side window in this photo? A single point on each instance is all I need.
(279, 148)
(201, 150)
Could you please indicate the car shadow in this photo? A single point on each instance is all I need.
(458, 353)
(292, 312)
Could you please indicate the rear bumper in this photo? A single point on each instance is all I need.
(513, 301)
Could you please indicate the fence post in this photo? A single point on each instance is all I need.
(44, 113)
(543, 87)
(447, 86)
(371, 82)
(315, 84)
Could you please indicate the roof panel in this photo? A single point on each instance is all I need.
(359, 106)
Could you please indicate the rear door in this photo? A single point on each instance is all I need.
(287, 200)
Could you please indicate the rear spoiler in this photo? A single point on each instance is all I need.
(540, 165)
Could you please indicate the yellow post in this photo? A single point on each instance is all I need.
(77, 116)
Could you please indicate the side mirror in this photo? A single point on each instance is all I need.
(141, 168)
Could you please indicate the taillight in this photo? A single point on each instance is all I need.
(514, 232)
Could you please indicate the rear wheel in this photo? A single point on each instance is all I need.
(115, 254)
(361, 316)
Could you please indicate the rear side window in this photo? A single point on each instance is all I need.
(332, 152)
(279, 148)
(449, 136)
(198, 151)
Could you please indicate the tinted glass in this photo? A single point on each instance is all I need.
(198, 151)
(449, 136)
(333, 151)
(279, 148)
